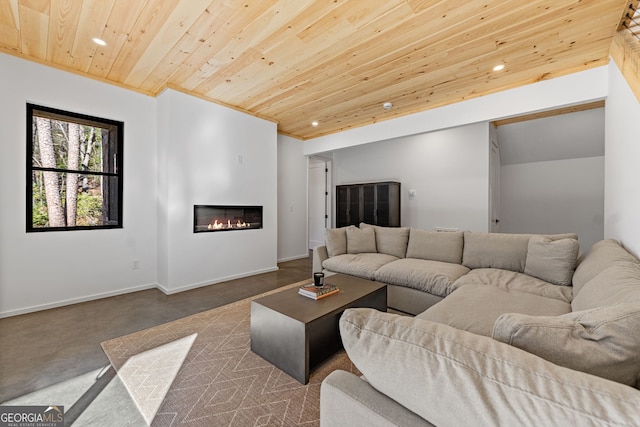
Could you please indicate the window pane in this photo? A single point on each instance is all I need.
(68, 145)
(112, 211)
(55, 203)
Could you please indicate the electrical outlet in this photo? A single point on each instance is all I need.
(135, 264)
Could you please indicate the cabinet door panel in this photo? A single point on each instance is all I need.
(342, 206)
(369, 204)
(394, 204)
(355, 209)
(383, 207)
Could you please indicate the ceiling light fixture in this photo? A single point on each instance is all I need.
(99, 41)
(387, 105)
(498, 67)
(314, 123)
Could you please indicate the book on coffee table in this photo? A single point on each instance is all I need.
(314, 292)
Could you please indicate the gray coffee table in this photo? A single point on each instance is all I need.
(296, 333)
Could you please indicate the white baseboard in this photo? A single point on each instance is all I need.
(293, 258)
(71, 301)
(163, 289)
(191, 286)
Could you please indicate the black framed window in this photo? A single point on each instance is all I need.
(74, 171)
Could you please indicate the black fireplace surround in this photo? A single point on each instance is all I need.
(210, 218)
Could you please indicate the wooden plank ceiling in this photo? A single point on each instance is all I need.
(296, 61)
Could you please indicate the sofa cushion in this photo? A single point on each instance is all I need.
(390, 240)
(360, 240)
(455, 378)
(336, 241)
(552, 260)
(360, 265)
(615, 284)
(475, 308)
(436, 246)
(604, 341)
(514, 281)
(495, 250)
(434, 277)
(603, 254)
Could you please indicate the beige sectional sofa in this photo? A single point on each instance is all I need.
(421, 267)
(508, 332)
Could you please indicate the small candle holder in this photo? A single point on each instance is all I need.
(318, 280)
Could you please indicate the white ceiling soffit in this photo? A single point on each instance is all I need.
(567, 136)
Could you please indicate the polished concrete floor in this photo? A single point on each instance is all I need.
(44, 348)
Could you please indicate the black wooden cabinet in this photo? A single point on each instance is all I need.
(376, 203)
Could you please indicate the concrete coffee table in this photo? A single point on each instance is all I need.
(296, 333)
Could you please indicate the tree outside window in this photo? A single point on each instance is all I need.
(74, 171)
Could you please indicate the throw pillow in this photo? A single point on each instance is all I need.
(336, 241)
(552, 260)
(604, 341)
(390, 240)
(360, 240)
(436, 246)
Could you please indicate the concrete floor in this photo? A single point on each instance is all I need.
(41, 349)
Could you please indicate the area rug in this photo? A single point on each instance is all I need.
(200, 371)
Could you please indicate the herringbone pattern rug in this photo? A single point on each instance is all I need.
(200, 371)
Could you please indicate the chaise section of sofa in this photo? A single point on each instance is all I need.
(475, 308)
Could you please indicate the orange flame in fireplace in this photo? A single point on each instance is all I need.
(218, 225)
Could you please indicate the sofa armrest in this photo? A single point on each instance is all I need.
(319, 255)
(348, 400)
(452, 377)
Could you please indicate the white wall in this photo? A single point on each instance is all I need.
(292, 199)
(449, 169)
(577, 88)
(622, 160)
(213, 155)
(565, 136)
(42, 270)
(550, 197)
(164, 144)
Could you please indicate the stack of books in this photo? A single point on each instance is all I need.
(313, 292)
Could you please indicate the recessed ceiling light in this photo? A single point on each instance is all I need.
(314, 123)
(498, 67)
(101, 42)
(387, 105)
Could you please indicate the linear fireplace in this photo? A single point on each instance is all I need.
(208, 218)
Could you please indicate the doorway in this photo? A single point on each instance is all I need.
(320, 205)
(494, 187)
